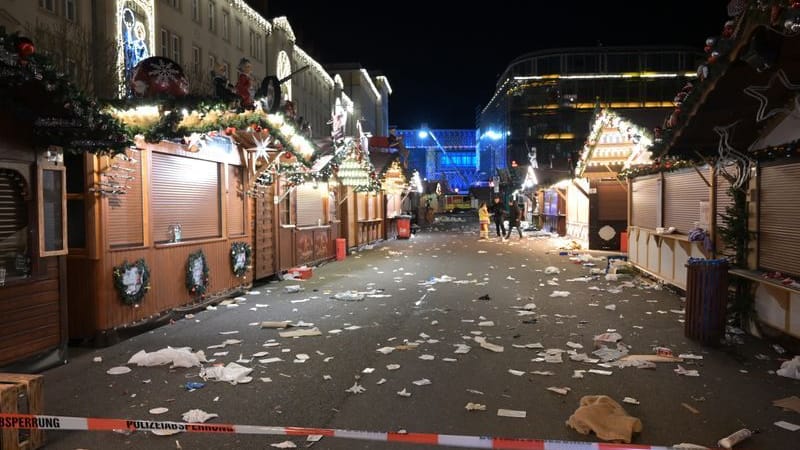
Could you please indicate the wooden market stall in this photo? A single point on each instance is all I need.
(394, 186)
(362, 208)
(736, 125)
(597, 201)
(171, 227)
(45, 123)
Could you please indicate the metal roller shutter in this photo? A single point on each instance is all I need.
(185, 191)
(645, 203)
(683, 192)
(13, 218)
(309, 205)
(779, 214)
(126, 212)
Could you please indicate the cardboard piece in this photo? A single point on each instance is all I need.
(606, 417)
(791, 403)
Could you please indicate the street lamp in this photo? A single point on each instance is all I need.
(423, 133)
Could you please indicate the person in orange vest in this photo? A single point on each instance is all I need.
(483, 219)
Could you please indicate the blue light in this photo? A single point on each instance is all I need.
(493, 135)
(422, 134)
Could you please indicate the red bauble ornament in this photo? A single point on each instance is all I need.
(158, 77)
(25, 47)
(795, 5)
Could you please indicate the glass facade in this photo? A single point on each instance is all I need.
(443, 154)
(545, 101)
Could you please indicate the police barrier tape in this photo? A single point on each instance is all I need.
(27, 421)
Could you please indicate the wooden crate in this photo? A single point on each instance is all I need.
(29, 389)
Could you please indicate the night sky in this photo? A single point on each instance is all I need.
(443, 58)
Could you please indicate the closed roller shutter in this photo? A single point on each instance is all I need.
(779, 214)
(126, 212)
(613, 198)
(645, 204)
(235, 200)
(683, 192)
(185, 192)
(309, 205)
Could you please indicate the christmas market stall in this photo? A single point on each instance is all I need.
(174, 219)
(394, 180)
(736, 126)
(361, 208)
(597, 201)
(47, 128)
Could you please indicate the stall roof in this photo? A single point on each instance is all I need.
(725, 101)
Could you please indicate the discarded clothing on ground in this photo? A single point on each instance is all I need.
(604, 416)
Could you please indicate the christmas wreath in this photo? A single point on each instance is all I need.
(241, 256)
(197, 273)
(132, 281)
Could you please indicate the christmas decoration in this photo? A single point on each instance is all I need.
(157, 76)
(241, 258)
(132, 281)
(197, 273)
(34, 93)
(662, 165)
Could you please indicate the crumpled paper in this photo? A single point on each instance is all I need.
(232, 373)
(177, 357)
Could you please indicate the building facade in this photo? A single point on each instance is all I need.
(544, 101)
(443, 155)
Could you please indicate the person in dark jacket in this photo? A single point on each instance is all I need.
(514, 219)
(498, 211)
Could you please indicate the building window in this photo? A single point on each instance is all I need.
(238, 34)
(226, 26)
(70, 10)
(212, 17)
(196, 60)
(212, 61)
(164, 43)
(49, 5)
(259, 48)
(175, 4)
(176, 48)
(252, 43)
(196, 11)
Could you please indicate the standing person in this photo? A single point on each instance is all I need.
(498, 214)
(483, 219)
(514, 219)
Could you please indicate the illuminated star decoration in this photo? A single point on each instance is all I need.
(260, 150)
(758, 93)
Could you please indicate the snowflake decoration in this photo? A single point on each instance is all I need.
(164, 72)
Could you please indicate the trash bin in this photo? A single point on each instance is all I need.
(341, 248)
(403, 227)
(706, 300)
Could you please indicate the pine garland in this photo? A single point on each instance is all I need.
(237, 249)
(61, 115)
(197, 287)
(132, 298)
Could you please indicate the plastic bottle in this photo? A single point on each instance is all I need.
(735, 438)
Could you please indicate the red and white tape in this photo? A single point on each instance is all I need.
(26, 421)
